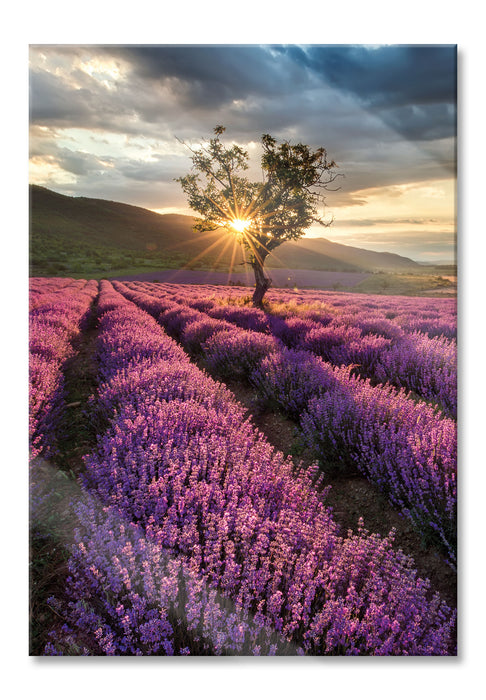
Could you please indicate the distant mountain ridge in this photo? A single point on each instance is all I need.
(98, 223)
(309, 250)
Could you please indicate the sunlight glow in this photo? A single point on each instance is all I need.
(240, 225)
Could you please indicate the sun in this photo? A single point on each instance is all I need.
(240, 225)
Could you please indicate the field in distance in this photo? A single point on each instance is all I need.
(422, 283)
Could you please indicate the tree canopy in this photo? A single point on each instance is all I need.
(281, 207)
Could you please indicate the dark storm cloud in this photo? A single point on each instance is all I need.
(413, 88)
(79, 163)
(428, 123)
(215, 75)
(86, 165)
(389, 76)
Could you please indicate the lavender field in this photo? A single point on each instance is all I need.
(185, 449)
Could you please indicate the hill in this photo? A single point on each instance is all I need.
(86, 235)
(323, 254)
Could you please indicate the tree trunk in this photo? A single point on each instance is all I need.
(262, 282)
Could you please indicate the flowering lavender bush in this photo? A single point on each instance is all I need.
(56, 318)
(291, 331)
(404, 448)
(374, 324)
(434, 325)
(153, 305)
(249, 318)
(289, 379)
(128, 596)
(196, 333)
(341, 344)
(236, 353)
(425, 365)
(177, 317)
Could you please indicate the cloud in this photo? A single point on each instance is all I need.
(52, 100)
(312, 92)
(420, 221)
(389, 76)
(413, 88)
(210, 76)
(422, 122)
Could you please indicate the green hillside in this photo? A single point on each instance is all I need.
(81, 236)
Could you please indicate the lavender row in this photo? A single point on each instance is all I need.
(426, 366)
(402, 446)
(434, 317)
(57, 316)
(39, 286)
(128, 596)
(209, 494)
(377, 347)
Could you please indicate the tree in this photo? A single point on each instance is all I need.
(262, 214)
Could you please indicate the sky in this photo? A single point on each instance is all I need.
(107, 121)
